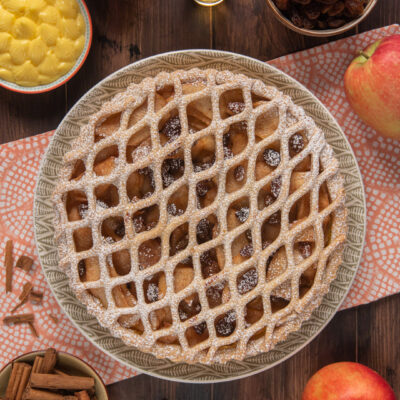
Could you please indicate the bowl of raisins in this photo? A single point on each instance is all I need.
(321, 17)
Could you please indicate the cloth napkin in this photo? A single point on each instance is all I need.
(321, 70)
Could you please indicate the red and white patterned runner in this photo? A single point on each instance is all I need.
(321, 70)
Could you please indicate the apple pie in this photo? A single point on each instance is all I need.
(200, 216)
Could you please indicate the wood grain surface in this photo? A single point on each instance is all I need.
(128, 30)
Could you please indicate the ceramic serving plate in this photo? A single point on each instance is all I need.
(65, 78)
(44, 229)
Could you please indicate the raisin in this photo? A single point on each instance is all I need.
(187, 311)
(336, 9)
(81, 268)
(269, 199)
(226, 325)
(202, 188)
(172, 169)
(120, 230)
(235, 107)
(327, 1)
(272, 157)
(325, 8)
(238, 173)
(248, 281)
(200, 328)
(248, 235)
(172, 209)
(226, 140)
(174, 165)
(242, 214)
(209, 264)
(305, 249)
(226, 143)
(335, 22)
(146, 171)
(247, 250)
(354, 8)
(204, 164)
(297, 19)
(308, 24)
(138, 223)
(182, 243)
(275, 218)
(204, 231)
(312, 11)
(172, 128)
(276, 185)
(187, 261)
(282, 4)
(296, 143)
(214, 295)
(152, 293)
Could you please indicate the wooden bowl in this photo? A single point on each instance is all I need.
(320, 32)
(66, 362)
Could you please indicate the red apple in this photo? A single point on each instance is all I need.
(347, 381)
(372, 84)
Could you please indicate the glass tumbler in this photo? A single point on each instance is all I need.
(208, 3)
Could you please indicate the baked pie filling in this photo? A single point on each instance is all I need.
(200, 216)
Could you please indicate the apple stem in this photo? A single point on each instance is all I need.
(364, 55)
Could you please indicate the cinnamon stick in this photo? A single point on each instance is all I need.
(37, 364)
(26, 372)
(54, 382)
(18, 376)
(25, 263)
(54, 318)
(11, 380)
(8, 262)
(33, 329)
(23, 297)
(35, 394)
(16, 380)
(18, 319)
(36, 297)
(49, 361)
(83, 395)
(59, 372)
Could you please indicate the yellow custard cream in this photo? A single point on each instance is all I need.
(40, 40)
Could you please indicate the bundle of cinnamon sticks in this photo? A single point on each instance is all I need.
(44, 381)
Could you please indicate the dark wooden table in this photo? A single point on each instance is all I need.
(128, 30)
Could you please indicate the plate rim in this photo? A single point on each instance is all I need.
(214, 53)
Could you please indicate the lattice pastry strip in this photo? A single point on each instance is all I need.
(200, 216)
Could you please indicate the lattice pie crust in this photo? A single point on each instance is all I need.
(200, 216)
